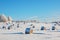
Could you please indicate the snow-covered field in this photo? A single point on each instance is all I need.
(47, 35)
(55, 36)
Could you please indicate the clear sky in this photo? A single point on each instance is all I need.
(24, 9)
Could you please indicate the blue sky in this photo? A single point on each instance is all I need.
(24, 9)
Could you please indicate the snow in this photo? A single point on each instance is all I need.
(54, 36)
(14, 33)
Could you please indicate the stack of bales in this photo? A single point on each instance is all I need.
(3, 18)
(9, 19)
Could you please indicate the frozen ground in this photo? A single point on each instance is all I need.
(52, 36)
(45, 36)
